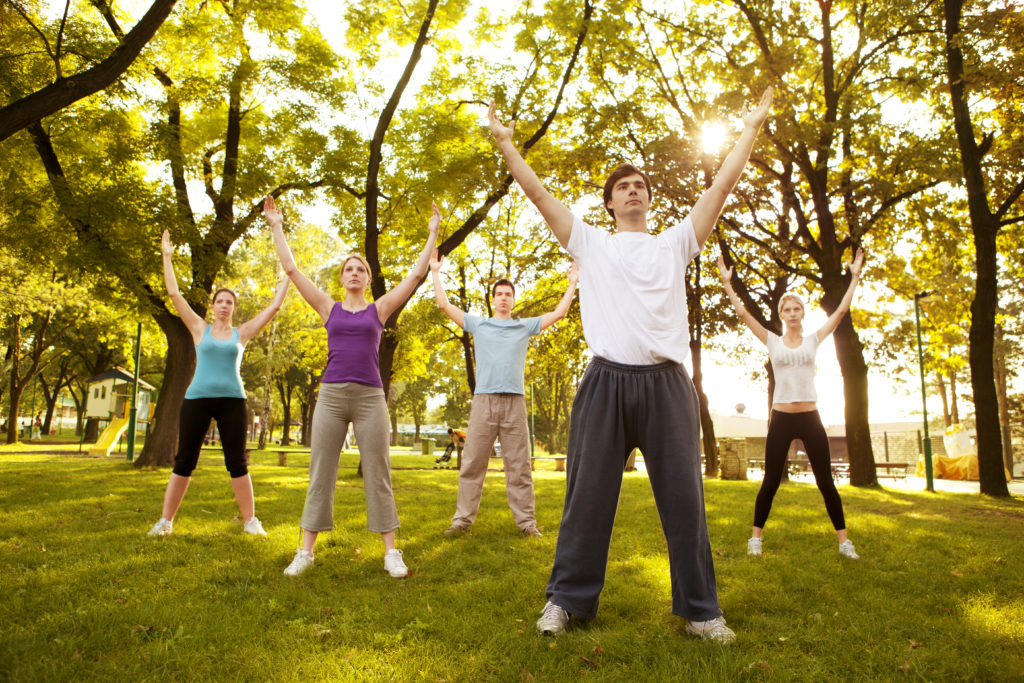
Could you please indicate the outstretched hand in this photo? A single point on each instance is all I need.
(756, 116)
(435, 220)
(500, 131)
(574, 273)
(272, 214)
(435, 261)
(725, 273)
(858, 263)
(165, 244)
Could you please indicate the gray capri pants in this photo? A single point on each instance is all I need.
(337, 406)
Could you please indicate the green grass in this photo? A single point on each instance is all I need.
(937, 595)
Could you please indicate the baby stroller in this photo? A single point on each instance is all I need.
(442, 460)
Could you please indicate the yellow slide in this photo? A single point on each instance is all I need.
(108, 439)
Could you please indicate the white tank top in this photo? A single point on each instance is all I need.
(793, 368)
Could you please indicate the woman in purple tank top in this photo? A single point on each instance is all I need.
(218, 352)
(351, 392)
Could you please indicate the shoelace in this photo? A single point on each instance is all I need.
(551, 611)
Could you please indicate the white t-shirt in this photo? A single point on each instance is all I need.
(793, 368)
(633, 292)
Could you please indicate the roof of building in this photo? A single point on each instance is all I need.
(119, 375)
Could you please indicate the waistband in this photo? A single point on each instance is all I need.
(636, 369)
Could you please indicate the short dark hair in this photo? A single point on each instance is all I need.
(621, 171)
(229, 291)
(503, 281)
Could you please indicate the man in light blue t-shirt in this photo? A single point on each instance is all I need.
(499, 409)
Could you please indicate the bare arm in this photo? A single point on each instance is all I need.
(556, 214)
(320, 300)
(251, 328)
(708, 208)
(457, 315)
(757, 328)
(387, 304)
(196, 325)
(844, 305)
(549, 319)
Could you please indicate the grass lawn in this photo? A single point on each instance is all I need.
(86, 595)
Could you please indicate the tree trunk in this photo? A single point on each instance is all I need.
(945, 401)
(954, 410)
(162, 439)
(707, 427)
(1004, 409)
(984, 225)
(850, 353)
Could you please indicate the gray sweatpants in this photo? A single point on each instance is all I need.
(337, 406)
(618, 408)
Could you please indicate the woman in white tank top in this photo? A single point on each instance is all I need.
(794, 403)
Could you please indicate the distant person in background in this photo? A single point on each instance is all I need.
(215, 393)
(351, 391)
(499, 409)
(794, 403)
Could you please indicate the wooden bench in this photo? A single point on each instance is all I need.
(559, 461)
(896, 470)
(840, 468)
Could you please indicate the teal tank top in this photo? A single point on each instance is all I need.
(218, 367)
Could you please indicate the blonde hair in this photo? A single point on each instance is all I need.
(791, 297)
(357, 257)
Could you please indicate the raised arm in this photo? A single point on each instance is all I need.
(193, 322)
(708, 208)
(251, 328)
(549, 319)
(844, 305)
(557, 216)
(457, 315)
(757, 328)
(320, 300)
(387, 304)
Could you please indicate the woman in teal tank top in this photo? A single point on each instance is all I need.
(216, 393)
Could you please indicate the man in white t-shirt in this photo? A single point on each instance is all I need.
(635, 393)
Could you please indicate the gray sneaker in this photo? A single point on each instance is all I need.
(553, 620)
(161, 528)
(846, 550)
(303, 561)
(714, 630)
(455, 530)
(753, 546)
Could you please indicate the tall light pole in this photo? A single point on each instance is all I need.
(930, 485)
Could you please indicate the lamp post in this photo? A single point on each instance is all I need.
(930, 483)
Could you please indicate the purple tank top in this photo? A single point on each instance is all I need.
(352, 346)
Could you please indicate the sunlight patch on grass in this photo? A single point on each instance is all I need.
(993, 615)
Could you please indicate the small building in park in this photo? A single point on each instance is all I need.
(110, 395)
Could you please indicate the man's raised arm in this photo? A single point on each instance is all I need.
(549, 319)
(708, 208)
(556, 214)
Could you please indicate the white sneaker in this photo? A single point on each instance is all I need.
(553, 620)
(254, 526)
(713, 629)
(303, 561)
(394, 565)
(846, 550)
(161, 528)
(753, 546)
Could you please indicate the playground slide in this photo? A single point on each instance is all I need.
(108, 439)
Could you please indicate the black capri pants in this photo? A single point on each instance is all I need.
(193, 423)
(783, 428)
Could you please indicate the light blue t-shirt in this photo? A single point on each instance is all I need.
(500, 352)
(218, 367)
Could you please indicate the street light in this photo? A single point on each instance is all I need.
(930, 483)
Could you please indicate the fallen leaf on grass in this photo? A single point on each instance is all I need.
(525, 675)
(552, 645)
(598, 649)
(588, 662)
(956, 572)
(357, 550)
(904, 667)
(782, 639)
(350, 653)
(915, 644)
(428, 608)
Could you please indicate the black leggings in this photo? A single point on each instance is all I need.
(193, 423)
(783, 428)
